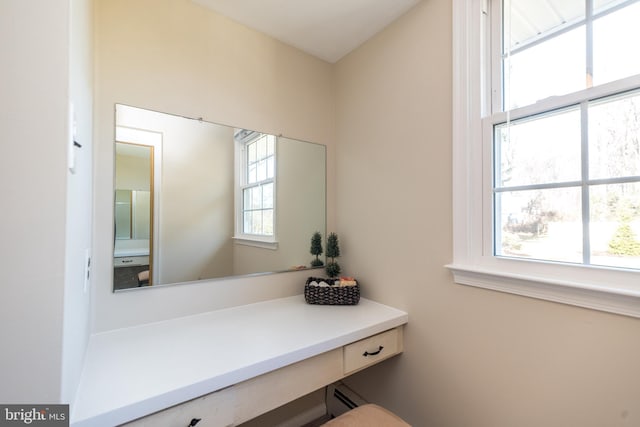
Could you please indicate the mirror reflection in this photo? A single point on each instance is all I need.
(133, 215)
(210, 201)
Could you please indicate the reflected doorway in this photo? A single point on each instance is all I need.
(133, 215)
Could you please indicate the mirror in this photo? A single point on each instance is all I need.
(197, 200)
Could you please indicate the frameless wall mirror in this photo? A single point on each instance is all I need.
(210, 201)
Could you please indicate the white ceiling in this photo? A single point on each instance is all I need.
(328, 29)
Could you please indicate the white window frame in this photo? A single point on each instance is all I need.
(241, 238)
(600, 288)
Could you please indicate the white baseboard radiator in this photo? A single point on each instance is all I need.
(340, 399)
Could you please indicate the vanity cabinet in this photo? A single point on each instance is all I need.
(249, 399)
(228, 366)
(130, 261)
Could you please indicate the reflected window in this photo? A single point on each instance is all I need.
(256, 189)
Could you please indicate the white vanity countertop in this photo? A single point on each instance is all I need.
(124, 253)
(136, 371)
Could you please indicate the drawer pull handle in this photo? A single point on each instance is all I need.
(194, 421)
(366, 353)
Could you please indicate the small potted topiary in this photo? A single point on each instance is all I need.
(333, 251)
(333, 290)
(316, 249)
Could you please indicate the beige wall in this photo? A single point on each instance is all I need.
(46, 213)
(472, 357)
(133, 172)
(79, 208)
(33, 273)
(177, 57)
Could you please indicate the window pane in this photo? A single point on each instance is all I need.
(545, 149)
(246, 197)
(262, 148)
(615, 225)
(540, 224)
(615, 40)
(250, 204)
(248, 222)
(252, 173)
(554, 67)
(270, 167)
(600, 5)
(252, 198)
(267, 196)
(256, 198)
(614, 137)
(262, 170)
(267, 222)
(526, 21)
(251, 154)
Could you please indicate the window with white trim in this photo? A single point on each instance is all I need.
(255, 216)
(547, 148)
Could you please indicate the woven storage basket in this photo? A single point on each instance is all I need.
(331, 295)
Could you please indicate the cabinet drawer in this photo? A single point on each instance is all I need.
(372, 350)
(214, 409)
(128, 261)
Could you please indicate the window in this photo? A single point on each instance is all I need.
(547, 148)
(255, 216)
(549, 204)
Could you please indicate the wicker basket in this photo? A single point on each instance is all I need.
(331, 295)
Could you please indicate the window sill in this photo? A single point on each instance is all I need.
(256, 243)
(612, 300)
